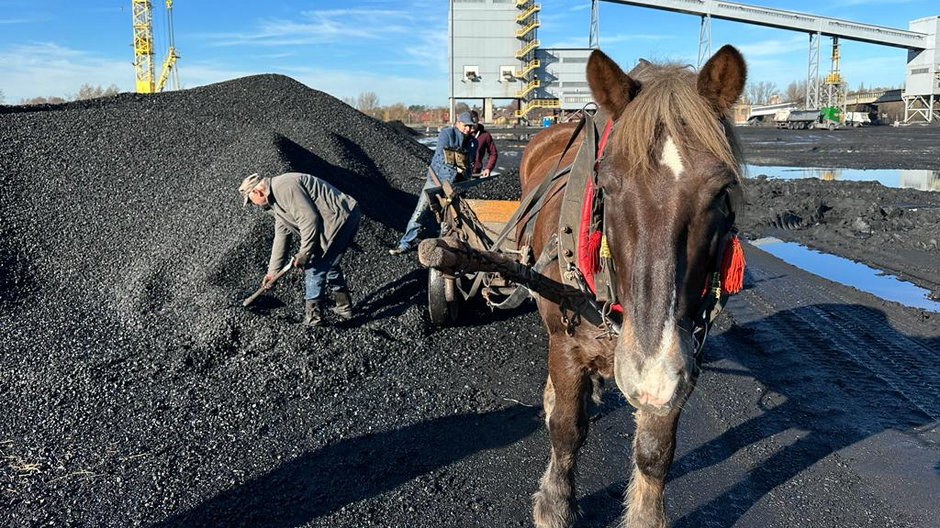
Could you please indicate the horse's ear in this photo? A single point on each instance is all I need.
(612, 89)
(721, 80)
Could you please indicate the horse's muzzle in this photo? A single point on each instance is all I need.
(654, 383)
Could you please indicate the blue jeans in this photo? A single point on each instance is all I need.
(419, 218)
(325, 271)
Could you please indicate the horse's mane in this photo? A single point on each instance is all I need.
(668, 103)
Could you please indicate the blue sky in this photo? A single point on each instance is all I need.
(396, 49)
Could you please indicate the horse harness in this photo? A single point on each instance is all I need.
(582, 209)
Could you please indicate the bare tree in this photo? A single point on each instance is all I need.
(796, 92)
(87, 91)
(42, 100)
(395, 111)
(368, 103)
(759, 92)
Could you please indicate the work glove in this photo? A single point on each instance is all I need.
(300, 260)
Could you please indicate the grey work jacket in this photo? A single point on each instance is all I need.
(310, 208)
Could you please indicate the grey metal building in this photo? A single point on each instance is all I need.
(495, 54)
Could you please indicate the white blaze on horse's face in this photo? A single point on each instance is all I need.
(661, 234)
(671, 158)
(650, 381)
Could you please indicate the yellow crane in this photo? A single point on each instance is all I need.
(143, 49)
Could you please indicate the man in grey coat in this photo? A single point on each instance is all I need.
(325, 220)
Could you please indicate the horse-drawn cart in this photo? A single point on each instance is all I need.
(478, 224)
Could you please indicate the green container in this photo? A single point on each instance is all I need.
(831, 114)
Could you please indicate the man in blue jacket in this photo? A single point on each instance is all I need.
(454, 143)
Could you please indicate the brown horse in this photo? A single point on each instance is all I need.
(670, 166)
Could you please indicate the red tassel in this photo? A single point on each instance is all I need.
(592, 261)
(732, 267)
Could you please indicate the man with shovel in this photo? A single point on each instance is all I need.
(324, 219)
(452, 160)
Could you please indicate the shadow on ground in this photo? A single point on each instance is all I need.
(351, 470)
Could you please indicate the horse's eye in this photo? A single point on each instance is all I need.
(721, 201)
(608, 179)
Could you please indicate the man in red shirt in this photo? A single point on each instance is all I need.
(485, 146)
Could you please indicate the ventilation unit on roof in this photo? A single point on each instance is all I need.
(471, 73)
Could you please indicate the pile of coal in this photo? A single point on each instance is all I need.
(125, 253)
(895, 218)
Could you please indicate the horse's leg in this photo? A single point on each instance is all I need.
(597, 388)
(548, 399)
(654, 445)
(566, 416)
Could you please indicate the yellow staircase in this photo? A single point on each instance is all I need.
(529, 11)
(520, 33)
(529, 66)
(531, 85)
(537, 103)
(528, 21)
(522, 52)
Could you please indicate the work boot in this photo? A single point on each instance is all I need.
(342, 305)
(313, 314)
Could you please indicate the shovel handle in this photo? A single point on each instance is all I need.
(266, 287)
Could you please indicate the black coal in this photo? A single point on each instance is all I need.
(137, 389)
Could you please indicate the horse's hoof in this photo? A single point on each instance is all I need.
(552, 512)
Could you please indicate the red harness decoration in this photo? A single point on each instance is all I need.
(732, 267)
(589, 242)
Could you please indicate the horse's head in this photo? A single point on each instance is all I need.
(669, 174)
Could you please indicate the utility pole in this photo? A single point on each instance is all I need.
(450, 26)
(594, 38)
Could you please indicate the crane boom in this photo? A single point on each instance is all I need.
(169, 63)
(143, 49)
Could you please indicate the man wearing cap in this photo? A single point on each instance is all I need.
(453, 144)
(324, 219)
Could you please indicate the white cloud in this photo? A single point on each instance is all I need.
(320, 27)
(390, 89)
(775, 46)
(48, 69)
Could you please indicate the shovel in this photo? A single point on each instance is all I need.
(266, 287)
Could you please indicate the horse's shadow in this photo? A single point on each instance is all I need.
(861, 404)
(322, 481)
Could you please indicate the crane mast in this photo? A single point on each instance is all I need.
(143, 49)
(143, 45)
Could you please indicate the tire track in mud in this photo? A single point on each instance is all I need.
(858, 341)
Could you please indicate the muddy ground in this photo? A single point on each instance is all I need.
(138, 392)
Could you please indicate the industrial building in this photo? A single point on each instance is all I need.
(495, 54)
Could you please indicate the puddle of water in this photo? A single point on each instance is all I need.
(429, 142)
(844, 271)
(922, 180)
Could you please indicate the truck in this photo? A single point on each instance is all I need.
(828, 117)
(857, 119)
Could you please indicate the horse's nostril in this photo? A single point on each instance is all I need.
(645, 398)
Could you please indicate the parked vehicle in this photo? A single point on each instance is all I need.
(828, 117)
(857, 119)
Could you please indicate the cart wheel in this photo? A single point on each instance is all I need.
(443, 312)
(831, 127)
